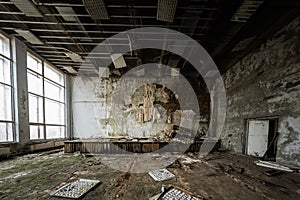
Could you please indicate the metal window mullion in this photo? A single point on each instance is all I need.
(41, 96)
(56, 101)
(13, 104)
(33, 72)
(40, 124)
(5, 84)
(58, 84)
(56, 125)
(65, 106)
(4, 100)
(44, 107)
(5, 57)
(38, 117)
(6, 121)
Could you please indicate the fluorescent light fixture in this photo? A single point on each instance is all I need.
(29, 36)
(71, 70)
(166, 10)
(118, 60)
(74, 56)
(27, 7)
(96, 9)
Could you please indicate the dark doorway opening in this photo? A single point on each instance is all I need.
(272, 140)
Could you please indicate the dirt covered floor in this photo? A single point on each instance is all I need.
(216, 176)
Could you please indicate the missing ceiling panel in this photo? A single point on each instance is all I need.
(96, 9)
(71, 70)
(166, 10)
(67, 13)
(74, 56)
(29, 36)
(27, 7)
(118, 60)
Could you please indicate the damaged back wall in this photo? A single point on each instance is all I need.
(110, 107)
(266, 84)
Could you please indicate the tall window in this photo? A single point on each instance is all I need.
(46, 88)
(6, 91)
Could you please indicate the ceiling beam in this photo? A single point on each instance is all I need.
(111, 16)
(78, 31)
(87, 24)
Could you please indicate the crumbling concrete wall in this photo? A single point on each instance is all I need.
(267, 83)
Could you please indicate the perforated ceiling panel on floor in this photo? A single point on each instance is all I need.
(76, 189)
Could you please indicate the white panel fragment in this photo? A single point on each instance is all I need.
(75, 189)
(118, 60)
(161, 174)
(29, 36)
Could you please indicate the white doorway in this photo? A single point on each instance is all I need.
(262, 138)
(258, 131)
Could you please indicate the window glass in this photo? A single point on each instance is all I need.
(6, 132)
(55, 132)
(4, 46)
(35, 83)
(35, 109)
(5, 103)
(54, 91)
(46, 100)
(5, 71)
(34, 64)
(36, 132)
(54, 112)
(54, 75)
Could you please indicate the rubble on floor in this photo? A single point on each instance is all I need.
(274, 165)
(219, 175)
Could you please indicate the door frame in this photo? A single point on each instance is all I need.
(246, 135)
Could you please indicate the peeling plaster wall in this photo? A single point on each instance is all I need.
(96, 114)
(267, 83)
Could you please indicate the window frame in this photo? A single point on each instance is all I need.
(12, 90)
(44, 98)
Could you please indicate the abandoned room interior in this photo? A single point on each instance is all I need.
(150, 99)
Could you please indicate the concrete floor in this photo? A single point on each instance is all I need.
(217, 176)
